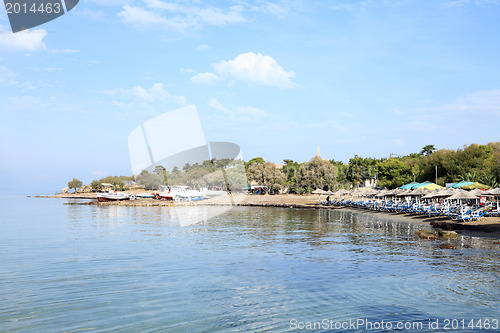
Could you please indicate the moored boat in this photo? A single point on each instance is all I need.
(113, 195)
(179, 193)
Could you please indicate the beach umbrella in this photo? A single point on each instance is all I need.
(478, 192)
(463, 195)
(342, 192)
(445, 193)
(383, 193)
(462, 183)
(429, 186)
(328, 193)
(318, 191)
(418, 192)
(430, 195)
(474, 186)
(493, 191)
(408, 186)
(369, 192)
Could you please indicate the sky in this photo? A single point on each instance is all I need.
(278, 78)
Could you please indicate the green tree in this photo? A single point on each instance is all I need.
(96, 186)
(393, 173)
(290, 170)
(75, 184)
(317, 174)
(150, 181)
(255, 160)
(268, 175)
(427, 150)
(116, 181)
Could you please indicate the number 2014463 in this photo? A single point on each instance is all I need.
(17, 8)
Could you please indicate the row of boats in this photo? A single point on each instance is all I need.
(180, 193)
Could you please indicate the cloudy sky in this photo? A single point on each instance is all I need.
(278, 78)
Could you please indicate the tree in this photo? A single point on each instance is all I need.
(151, 181)
(255, 160)
(116, 181)
(317, 174)
(75, 183)
(96, 185)
(268, 175)
(427, 150)
(162, 172)
(393, 173)
(290, 170)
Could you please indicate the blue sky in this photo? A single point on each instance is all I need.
(278, 78)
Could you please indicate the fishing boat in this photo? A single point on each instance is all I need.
(113, 195)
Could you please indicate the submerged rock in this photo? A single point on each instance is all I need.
(426, 234)
(447, 246)
(448, 234)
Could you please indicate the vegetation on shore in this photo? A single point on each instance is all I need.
(475, 162)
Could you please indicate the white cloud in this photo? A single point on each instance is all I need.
(111, 2)
(251, 111)
(203, 47)
(142, 97)
(26, 40)
(205, 78)
(251, 67)
(272, 8)
(455, 3)
(142, 20)
(479, 103)
(96, 15)
(7, 77)
(65, 51)
(241, 113)
(187, 70)
(176, 17)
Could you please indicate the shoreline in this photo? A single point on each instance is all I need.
(486, 227)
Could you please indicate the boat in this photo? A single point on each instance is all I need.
(179, 193)
(190, 195)
(113, 195)
(146, 195)
(166, 192)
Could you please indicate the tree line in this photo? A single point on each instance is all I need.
(475, 162)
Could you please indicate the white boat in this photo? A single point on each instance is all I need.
(180, 193)
(113, 195)
(190, 195)
(166, 192)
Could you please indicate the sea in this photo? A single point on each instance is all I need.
(66, 267)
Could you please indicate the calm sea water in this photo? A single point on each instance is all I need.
(73, 268)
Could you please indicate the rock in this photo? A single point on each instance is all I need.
(426, 234)
(447, 246)
(448, 234)
(84, 189)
